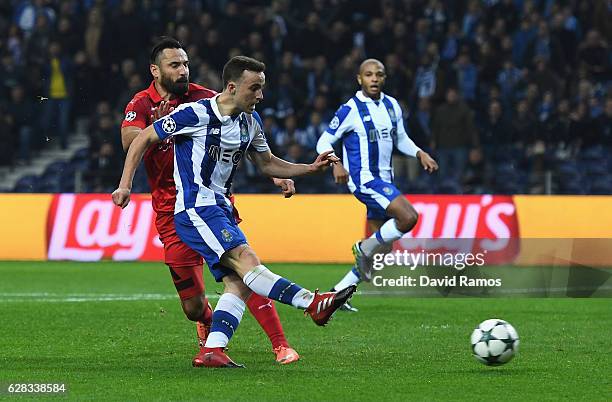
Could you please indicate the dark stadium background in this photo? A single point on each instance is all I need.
(533, 111)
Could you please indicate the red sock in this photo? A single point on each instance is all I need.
(265, 313)
(206, 318)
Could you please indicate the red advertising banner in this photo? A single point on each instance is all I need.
(464, 224)
(89, 227)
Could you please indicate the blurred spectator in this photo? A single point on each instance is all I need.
(376, 43)
(426, 80)
(419, 124)
(471, 18)
(467, 78)
(290, 133)
(545, 47)
(545, 78)
(582, 127)
(128, 28)
(452, 42)
(7, 136)
(523, 124)
(397, 81)
(474, 175)
(604, 123)
(103, 174)
(509, 79)
(594, 53)
(319, 79)
(93, 36)
(521, 40)
(39, 41)
(57, 79)
(315, 126)
(67, 36)
(14, 45)
(495, 133)
(27, 12)
(488, 64)
(338, 41)
(20, 123)
(453, 134)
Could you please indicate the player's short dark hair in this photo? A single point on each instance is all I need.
(165, 42)
(233, 69)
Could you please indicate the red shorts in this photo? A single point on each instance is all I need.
(184, 263)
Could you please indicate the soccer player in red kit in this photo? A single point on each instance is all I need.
(169, 66)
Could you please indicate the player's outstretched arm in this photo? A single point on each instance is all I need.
(148, 136)
(273, 166)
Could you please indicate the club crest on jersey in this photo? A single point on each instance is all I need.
(335, 123)
(244, 134)
(392, 115)
(387, 190)
(227, 236)
(130, 116)
(168, 125)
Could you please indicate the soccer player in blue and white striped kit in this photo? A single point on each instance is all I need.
(211, 137)
(370, 126)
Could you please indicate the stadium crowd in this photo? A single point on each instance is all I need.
(510, 96)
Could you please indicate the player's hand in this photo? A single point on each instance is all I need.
(287, 186)
(340, 174)
(323, 161)
(121, 197)
(427, 162)
(162, 110)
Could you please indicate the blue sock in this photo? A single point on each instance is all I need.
(265, 283)
(225, 321)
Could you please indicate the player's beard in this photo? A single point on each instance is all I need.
(178, 87)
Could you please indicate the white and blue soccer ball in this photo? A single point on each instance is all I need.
(494, 342)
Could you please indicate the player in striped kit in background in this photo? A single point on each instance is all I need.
(370, 126)
(211, 137)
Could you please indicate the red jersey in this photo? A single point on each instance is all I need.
(159, 158)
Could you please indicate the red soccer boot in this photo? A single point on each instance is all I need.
(215, 358)
(323, 305)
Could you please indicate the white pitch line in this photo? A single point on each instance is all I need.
(46, 297)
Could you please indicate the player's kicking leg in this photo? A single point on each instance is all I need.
(320, 306)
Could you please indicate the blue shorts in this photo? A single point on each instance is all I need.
(210, 231)
(377, 195)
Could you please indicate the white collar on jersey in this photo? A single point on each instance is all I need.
(223, 119)
(364, 98)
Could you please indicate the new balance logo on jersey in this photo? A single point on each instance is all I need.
(219, 154)
(325, 303)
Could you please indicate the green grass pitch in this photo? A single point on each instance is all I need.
(115, 331)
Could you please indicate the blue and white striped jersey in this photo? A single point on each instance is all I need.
(207, 150)
(369, 131)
